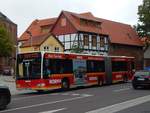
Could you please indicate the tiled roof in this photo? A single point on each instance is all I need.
(119, 33)
(35, 41)
(75, 20)
(45, 22)
(2, 16)
(38, 40)
(35, 28)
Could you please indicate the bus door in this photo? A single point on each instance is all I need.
(26, 68)
(79, 70)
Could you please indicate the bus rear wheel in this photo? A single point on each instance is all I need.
(125, 79)
(65, 84)
(100, 82)
(40, 91)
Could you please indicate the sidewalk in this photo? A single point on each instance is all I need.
(10, 82)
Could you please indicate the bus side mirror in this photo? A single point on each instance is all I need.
(133, 70)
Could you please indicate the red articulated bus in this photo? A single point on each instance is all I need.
(45, 70)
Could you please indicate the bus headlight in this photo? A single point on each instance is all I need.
(18, 85)
(41, 85)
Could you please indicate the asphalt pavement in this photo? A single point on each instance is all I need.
(118, 98)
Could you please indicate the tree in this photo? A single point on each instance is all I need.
(143, 27)
(6, 45)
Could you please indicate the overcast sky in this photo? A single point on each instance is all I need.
(23, 12)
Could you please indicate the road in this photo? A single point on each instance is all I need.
(118, 98)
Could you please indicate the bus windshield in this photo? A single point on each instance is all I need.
(29, 66)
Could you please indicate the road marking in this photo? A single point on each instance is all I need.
(75, 94)
(123, 89)
(20, 98)
(53, 111)
(54, 94)
(34, 96)
(86, 95)
(47, 103)
(121, 106)
(65, 94)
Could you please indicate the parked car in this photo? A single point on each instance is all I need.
(5, 97)
(141, 79)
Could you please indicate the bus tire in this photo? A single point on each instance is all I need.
(125, 78)
(65, 84)
(40, 91)
(100, 82)
(3, 102)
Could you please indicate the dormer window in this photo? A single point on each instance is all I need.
(45, 29)
(90, 23)
(129, 35)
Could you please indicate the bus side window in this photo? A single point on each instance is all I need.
(95, 66)
(61, 69)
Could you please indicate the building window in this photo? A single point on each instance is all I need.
(67, 45)
(46, 48)
(61, 38)
(86, 40)
(63, 22)
(102, 42)
(83, 22)
(73, 37)
(57, 49)
(94, 41)
(67, 38)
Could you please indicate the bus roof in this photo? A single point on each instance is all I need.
(43, 52)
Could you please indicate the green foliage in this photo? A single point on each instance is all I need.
(143, 27)
(6, 44)
(76, 49)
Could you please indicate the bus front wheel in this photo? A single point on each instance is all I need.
(65, 84)
(125, 78)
